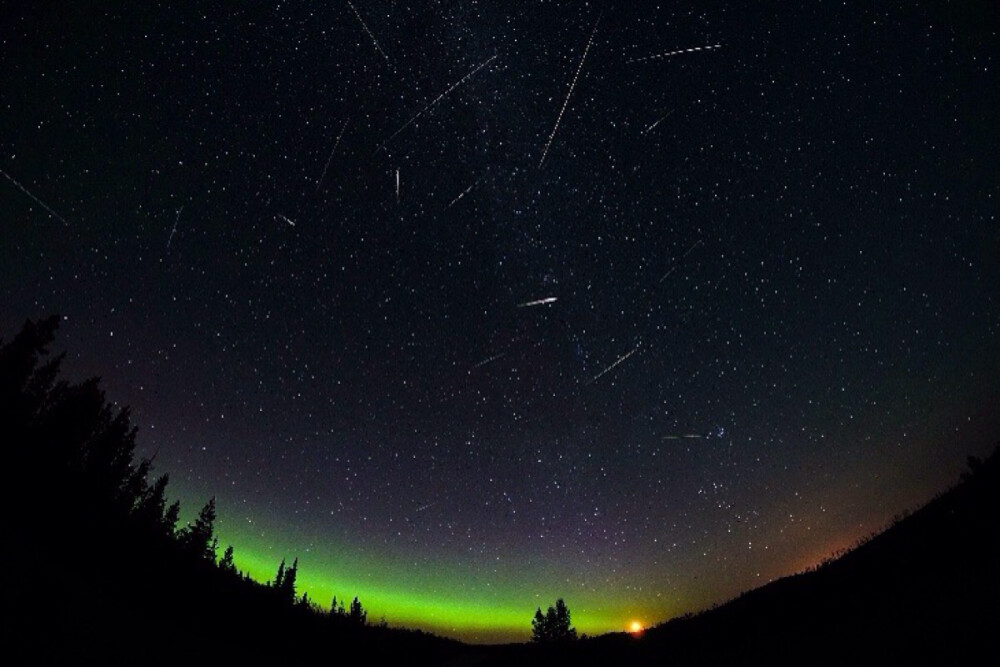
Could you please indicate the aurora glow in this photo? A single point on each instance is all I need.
(451, 600)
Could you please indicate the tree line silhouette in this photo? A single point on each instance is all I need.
(96, 562)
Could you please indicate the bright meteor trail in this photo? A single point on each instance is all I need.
(435, 101)
(370, 33)
(571, 87)
(36, 199)
(538, 302)
(614, 365)
(678, 52)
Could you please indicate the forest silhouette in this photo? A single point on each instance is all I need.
(97, 570)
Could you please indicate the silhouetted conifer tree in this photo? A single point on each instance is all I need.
(108, 459)
(197, 538)
(280, 577)
(284, 582)
(24, 387)
(171, 517)
(337, 609)
(554, 625)
(357, 614)
(72, 436)
(151, 512)
(539, 631)
(226, 563)
(288, 585)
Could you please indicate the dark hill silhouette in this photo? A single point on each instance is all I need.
(924, 592)
(96, 572)
(927, 589)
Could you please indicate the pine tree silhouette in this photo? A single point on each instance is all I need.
(279, 579)
(197, 538)
(357, 614)
(337, 609)
(284, 582)
(554, 625)
(226, 563)
(151, 512)
(288, 583)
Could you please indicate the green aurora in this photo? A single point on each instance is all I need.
(445, 598)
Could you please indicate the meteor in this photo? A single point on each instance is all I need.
(538, 302)
(571, 87)
(174, 230)
(370, 34)
(37, 200)
(464, 192)
(670, 54)
(488, 361)
(435, 101)
(329, 159)
(683, 257)
(658, 121)
(614, 365)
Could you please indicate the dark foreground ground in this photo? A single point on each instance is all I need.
(927, 591)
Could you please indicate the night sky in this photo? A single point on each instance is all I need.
(474, 305)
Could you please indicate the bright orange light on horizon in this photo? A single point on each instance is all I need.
(635, 628)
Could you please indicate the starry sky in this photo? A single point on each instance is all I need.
(474, 305)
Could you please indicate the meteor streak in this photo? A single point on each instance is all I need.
(678, 52)
(174, 230)
(435, 101)
(370, 34)
(538, 302)
(658, 121)
(571, 87)
(693, 436)
(614, 365)
(678, 262)
(464, 192)
(36, 199)
(319, 181)
(488, 361)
